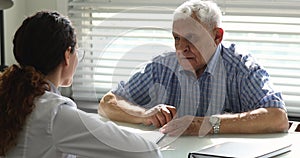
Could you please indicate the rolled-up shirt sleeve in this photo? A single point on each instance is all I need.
(258, 90)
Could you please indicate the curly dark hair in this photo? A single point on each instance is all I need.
(39, 47)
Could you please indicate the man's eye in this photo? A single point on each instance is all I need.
(193, 38)
(176, 38)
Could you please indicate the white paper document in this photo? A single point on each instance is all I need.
(243, 150)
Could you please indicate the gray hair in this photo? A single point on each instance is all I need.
(206, 11)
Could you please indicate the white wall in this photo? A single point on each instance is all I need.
(21, 9)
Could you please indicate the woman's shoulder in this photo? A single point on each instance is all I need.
(50, 103)
(54, 99)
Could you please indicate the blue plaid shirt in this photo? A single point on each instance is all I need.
(232, 83)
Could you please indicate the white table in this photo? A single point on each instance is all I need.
(179, 147)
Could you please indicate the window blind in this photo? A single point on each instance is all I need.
(120, 36)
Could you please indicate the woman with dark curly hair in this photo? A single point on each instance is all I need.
(35, 120)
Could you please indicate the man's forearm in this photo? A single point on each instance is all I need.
(263, 120)
(120, 110)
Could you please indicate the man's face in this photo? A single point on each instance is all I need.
(194, 44)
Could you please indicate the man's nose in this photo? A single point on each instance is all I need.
(184, 45)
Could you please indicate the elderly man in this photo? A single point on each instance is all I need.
(204, 87)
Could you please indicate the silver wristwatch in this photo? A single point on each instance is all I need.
(215, 122)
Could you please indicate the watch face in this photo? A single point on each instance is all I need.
(215, 123)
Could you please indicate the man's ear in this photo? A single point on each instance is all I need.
(218, 35)
(67, 56)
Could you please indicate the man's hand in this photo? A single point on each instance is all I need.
(187, 125)
(159, 115)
